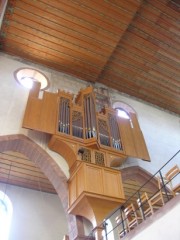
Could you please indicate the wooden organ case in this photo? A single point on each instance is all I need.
(91, 142)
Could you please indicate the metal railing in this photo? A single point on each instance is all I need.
(157, 182)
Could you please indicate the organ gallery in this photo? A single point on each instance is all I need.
(93, 141)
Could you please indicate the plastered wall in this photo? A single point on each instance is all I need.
(36, 215)
(163, 225)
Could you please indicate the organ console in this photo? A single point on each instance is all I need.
(91, 142)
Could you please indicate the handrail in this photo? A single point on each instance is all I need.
(137, 192)
(145, 183)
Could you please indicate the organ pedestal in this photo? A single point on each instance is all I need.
(94, 191)
(91, 142)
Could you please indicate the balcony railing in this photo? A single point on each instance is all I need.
(166, 185)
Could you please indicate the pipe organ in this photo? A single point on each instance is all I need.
(64, 115)
(91, 142)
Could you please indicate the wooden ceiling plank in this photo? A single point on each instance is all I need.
(155, 34)
(139, 80)
(136, 54)
(56, 44)
(163, 53)
(170, 23)
(141, 68)
(150, 56)
(109, 8)
(163, 7)
(51, 62)
(24, 173)
(14, 167)
(132, 63)
(85, 15)
(8, 173)
(145, 97)
(23, 177)
(172, 71)
(149, 42)
(24, 162)
(164, 31)
(6, 164)
(146, 55)
(17, 182)
(133, 38)
(99, 33)
(67, 60)
(135, 49)
(131, 82)
(129, 5)
(159, 75)
(158, 82)
(155, 14)
(62, 32)
(92, 11)
(146, 11)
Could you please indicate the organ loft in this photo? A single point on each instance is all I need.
(93, 141)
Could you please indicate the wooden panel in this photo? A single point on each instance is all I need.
(111, 179)
(48, 116)
(94, 179)
(41, 114)
(72, 190)
(81, 180)
(138, 138)
(97, 180)
(127, 137)
(33, 121)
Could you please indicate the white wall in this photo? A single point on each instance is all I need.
(163, 225)
(36, 215)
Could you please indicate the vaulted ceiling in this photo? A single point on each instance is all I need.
(129, 45)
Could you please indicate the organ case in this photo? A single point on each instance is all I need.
(91, 142)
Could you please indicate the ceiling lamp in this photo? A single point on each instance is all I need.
(26, 77)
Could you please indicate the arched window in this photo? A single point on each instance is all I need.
(5, 215)
(124, 114)
(26, 77)
(132, 138)
(108, 233)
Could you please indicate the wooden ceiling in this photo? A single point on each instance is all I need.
(129, 45)
(16, 169)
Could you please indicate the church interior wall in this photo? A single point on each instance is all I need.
(36, 215)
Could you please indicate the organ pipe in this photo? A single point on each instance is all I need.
(90, 116)
(64, 116)
(114, 132)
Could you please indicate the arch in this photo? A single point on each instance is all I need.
(139, 176)
(36, 154)
(48, 166)
(126, 107)
(136, 172)
(64, 149)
